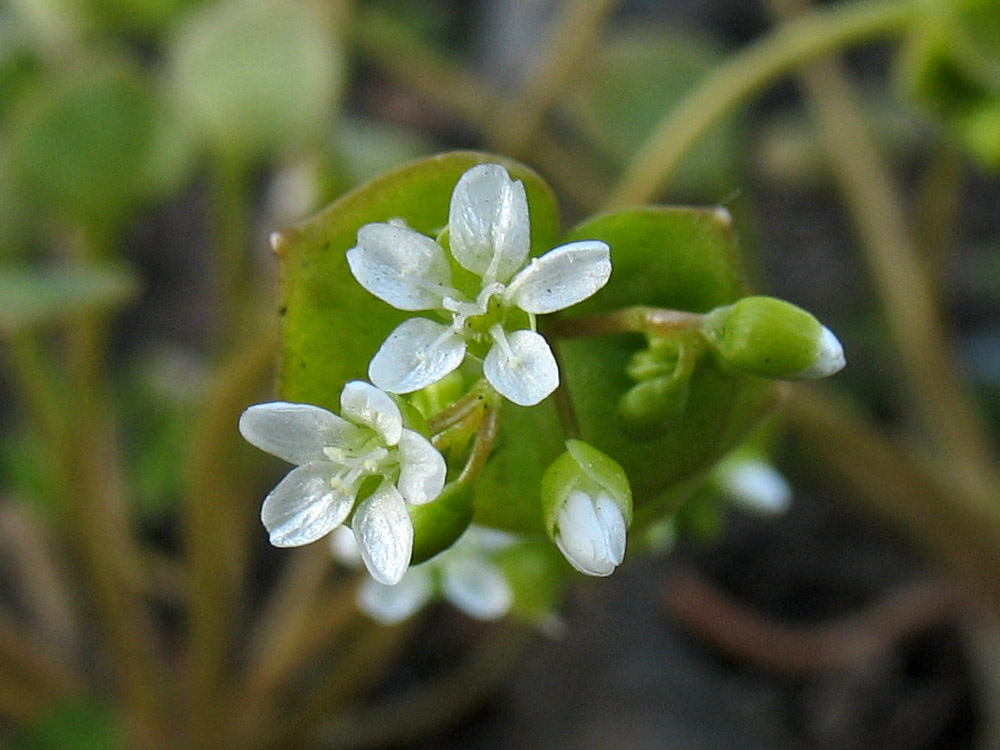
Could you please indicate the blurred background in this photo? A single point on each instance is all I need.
(147, 150)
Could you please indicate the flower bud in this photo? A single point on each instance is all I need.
(772, 338)
(650, 409)
(587, 506)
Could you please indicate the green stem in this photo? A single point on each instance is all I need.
(521, 118)
(637, 319)
(937, 395)
(743, 76)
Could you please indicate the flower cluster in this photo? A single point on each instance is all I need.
(367, 453)
(464, 575)
(489, 236)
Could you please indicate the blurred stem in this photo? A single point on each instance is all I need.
(231, 238)
(565, 49)
(961, 531)
(362, 665)
(743, 76)
(97, 518)
(389, 43)
(216, 528)
(937, 395)
(435, 705)
(30, 675)
(936, 213)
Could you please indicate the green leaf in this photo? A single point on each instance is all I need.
(332, 327)
(34, 297)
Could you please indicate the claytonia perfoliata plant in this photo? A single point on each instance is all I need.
(489, 236)
(464, 575)
(339, 459)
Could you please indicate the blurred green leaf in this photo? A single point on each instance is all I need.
(34, 297)
(257, 76)
(632, 81)
(950, 67)
(332, 326)
(94, 144)
(75, 726)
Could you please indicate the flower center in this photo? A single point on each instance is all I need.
(367, 458)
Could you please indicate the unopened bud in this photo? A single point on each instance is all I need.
(772, 338)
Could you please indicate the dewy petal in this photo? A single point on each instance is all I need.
(521, 366)
(591, 533)
(384, 533)
(365, 404)
(306, 505)
(488, 226)
(418, 353)
(421, 469)
(390, 605)
(476, 587)
(400, 266)
(562, 277)
(296, 433)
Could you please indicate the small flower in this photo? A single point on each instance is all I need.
(464, 574)
(587, 504)
(489, 236)
(335, 456)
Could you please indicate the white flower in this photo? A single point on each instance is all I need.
(590, 532)
(334, 457)
(755, 484)
(464, 574)
(488, 233)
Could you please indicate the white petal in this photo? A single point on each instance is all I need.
(400, 266)
(306, 505)
(521, 367)
(476, 587)
(421, 469)
(488, 226)
(418, 353)
(829, 357)
(390, 605)
(562, 277)
(296, 433)
(591, 533)
(365, 404)
(384, 534)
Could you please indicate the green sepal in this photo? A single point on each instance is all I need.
(331, 325)
(764, 336)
